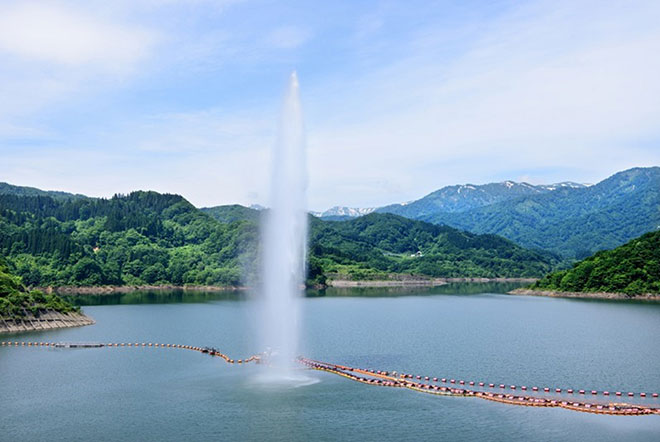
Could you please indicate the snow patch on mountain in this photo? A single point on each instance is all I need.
(352, 212)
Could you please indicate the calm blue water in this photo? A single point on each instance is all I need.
(173, 395)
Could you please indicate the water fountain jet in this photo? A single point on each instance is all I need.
(284, 234)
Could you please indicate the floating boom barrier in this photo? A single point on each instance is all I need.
(208, 350)
(401, 380)
(423, 384)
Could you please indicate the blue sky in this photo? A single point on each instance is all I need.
(400, 98)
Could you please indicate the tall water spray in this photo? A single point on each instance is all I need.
(285, 238)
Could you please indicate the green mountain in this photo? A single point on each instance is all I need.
(9, 189)
(141, 238)
(152, 238)
(569, 220)
(376, 244)
(633, 268)
(460, 198)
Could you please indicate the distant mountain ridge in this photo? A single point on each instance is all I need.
(569, 218)
(456, 198)
(343, 211)
(572, 221)
(459, 198)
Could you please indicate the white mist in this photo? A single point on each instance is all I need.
(284, 241)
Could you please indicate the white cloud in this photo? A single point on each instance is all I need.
(54, 53)
(60, 35)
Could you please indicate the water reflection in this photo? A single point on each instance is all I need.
(200, 296)
(456, 288)
(157, 297)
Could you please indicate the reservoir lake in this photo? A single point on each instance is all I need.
(460, 331)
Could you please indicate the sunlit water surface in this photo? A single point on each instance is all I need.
(463, 332)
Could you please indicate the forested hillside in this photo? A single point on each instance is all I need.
(572, 221)
(390, 243)
(633, 268)
(141, 238)
(151, 238)
(16, 300)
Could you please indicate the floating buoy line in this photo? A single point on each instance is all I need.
(507, 394)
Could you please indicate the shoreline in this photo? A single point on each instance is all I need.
(48, 320)
(336, 283)
(113, 289)
(418, 282)
(585, 295)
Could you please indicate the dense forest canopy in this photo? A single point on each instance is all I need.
(633, 268)
(151, 238)
(141, 238)
(383, 243)
(16, 300)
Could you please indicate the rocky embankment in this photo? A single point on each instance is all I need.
(45, 321)
(585, 295)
